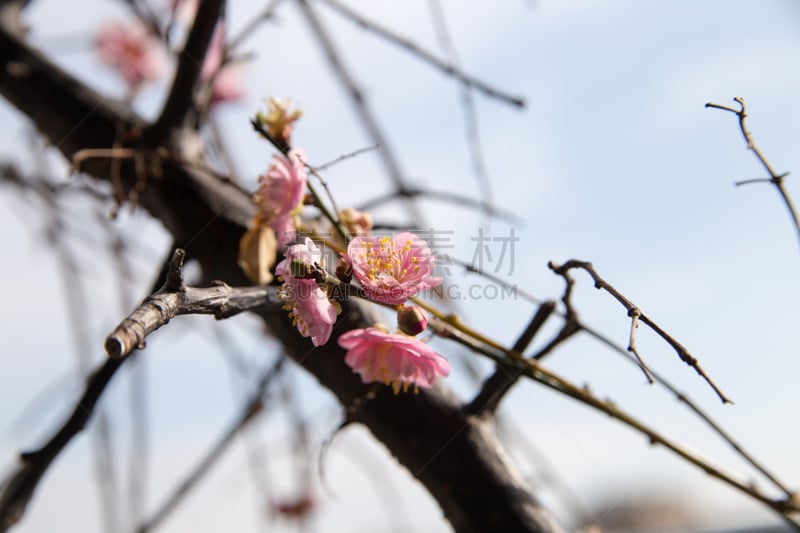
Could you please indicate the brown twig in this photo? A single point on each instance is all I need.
(636, 315)
(175, 298)
(774, 178)
(449, 69)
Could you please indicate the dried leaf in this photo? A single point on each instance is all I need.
(257, 251)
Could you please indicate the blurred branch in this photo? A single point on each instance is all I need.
(17, 490)
(427, 57)
(498, 384)
(180, 99)
(264, 15)
(252, 408)
(175, 298)
(450, 197)
(774, 178)
(346, 156)
(368, 120)
(471, 128)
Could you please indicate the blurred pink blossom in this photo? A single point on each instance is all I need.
(228, 84)
(308, 305)
(130, 49)
(390, 270)
(281, 192)
(392, 359)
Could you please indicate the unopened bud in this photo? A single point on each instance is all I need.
(344, 271)
(412, 320)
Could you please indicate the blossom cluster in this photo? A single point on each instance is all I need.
(387, 270)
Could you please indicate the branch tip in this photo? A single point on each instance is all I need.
(174, 281)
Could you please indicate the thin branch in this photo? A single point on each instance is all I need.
(635, 313)
(349, 155)
(427, 57)
(445, 196)
(175, 298)
(774, 178)
(264, 15)
(470, 112)
(180, 99)
(253, 407)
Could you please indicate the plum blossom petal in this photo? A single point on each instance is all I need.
(392, 359)
(308, 305)
(281, 192)
(390, 270)
(132, 50)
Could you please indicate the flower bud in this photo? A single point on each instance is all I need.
(411, 320)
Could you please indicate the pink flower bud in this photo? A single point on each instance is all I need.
(412, 320)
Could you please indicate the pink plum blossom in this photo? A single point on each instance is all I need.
(227, 79)
(392, 359)
(390, 270)
(308, 305)
(281, 193)
(132, 50)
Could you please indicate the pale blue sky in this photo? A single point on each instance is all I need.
(615, 160)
